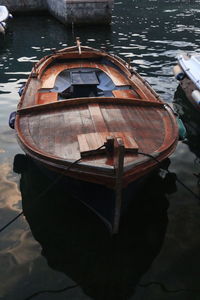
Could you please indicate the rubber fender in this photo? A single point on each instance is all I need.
(196, 96)
(182, 129)
(21, 89)
(11, 121)
(178, 73)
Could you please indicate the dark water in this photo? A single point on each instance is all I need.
(156, 254)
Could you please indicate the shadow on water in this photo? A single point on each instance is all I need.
(5, 41)
(75, 242)
(190, 117)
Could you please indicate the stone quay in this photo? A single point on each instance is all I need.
(67, 11)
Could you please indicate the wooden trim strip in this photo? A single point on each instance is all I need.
(80, 101)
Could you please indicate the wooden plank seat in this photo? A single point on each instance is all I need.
(90, 142)
(46, 97)
(125, 94)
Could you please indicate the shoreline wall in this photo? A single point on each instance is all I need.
(21, 6)
(66, 11)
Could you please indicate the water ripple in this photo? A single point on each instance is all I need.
(28, 59)
(10, 197)
(148, 33)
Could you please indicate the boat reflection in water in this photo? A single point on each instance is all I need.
(76, 242)
(191, 119)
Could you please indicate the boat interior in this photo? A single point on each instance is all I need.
(82, 78)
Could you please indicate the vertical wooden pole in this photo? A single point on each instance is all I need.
(78, 44)
(119, 166)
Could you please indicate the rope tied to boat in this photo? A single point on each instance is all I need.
(48, 188)
(170, 173)
(40, 195)
(78, 160)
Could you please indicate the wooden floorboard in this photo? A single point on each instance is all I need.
(97, 117)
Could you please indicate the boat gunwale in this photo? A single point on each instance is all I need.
(87, 52)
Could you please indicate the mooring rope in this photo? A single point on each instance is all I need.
(49, 187)
(167, 170)
(11, 221)
(52, 291)
(165, 289)
(76, 285)
(42, 194)
(77, 161)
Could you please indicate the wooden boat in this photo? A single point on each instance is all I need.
(88, 115)
(187, 71)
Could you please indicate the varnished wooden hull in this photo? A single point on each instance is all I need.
(75, 100)
(95, 196)
(48, 131)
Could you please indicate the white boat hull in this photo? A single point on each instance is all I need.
(4, 16)
(188, 73)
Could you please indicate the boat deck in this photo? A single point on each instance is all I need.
(57, 131)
